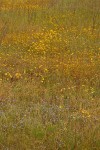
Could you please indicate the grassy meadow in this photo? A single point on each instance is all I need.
(49, 75)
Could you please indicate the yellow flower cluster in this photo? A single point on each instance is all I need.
(85, 113)
(18, 75)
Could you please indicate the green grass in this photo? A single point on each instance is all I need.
(49, 76)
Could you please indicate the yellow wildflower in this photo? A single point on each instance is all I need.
(18, 75)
